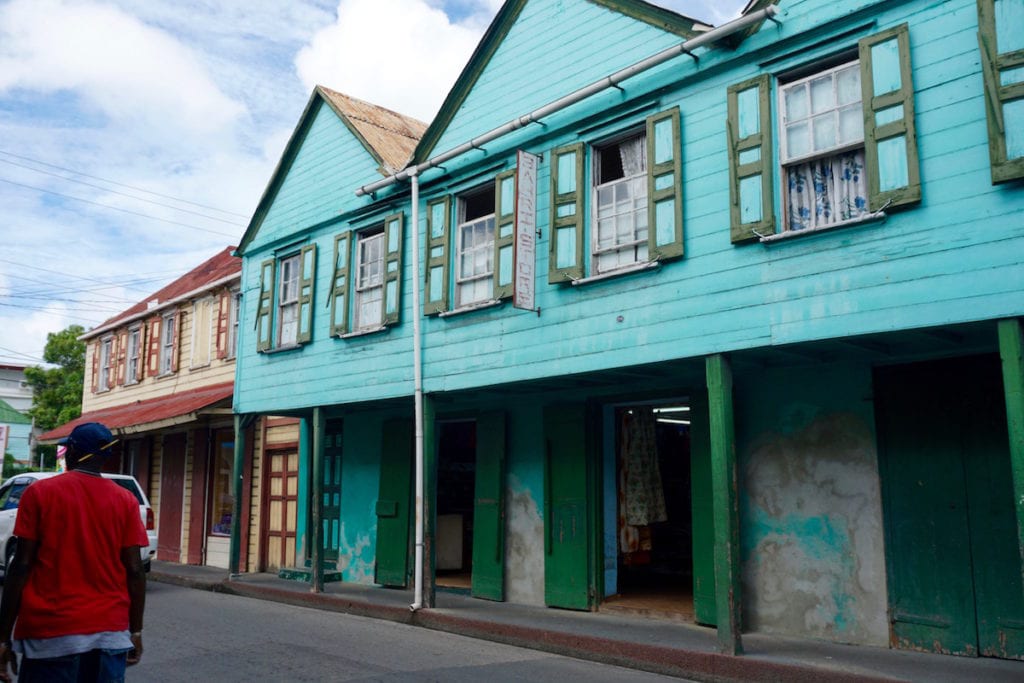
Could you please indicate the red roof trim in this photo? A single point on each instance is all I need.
(122, 417)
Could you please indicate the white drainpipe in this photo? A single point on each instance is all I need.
(417, 365)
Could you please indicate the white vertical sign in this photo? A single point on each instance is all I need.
(525, 252)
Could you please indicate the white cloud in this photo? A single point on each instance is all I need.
(121, 66)
(400, 54)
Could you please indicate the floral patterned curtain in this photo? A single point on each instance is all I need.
(827, 191)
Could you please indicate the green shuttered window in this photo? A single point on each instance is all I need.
(284, 310)
(664, 186)
(438, 234)
(504, 238)
(1001, 41)
(367, 282)
(853, 122)
(566, 240)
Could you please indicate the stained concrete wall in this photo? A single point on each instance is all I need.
(524, 502)
(810, 504)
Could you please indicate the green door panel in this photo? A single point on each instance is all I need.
(930, 584)
(489, 508)
(704, 606)
(331, 514)
(566, 566)
(393, 503)
(999, 594)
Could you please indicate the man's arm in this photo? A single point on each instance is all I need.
(131, 558)
(15, 578)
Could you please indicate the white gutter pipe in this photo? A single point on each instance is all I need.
(417, 371)
(572, 98)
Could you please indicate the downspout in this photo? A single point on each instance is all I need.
(417, 371)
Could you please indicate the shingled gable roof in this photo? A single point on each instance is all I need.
(389, 137)
(684, 26)
(220, 267)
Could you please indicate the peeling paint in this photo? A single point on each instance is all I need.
(357, 559)
(524, 548)
(812, 529)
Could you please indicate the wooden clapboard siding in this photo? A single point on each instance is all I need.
(217, 371)
(953, 258)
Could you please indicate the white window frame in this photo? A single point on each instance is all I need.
(369, 282)
(132, 361)
(167, 332)
(635, 249)
(289, 270)
(786, 162)
(203, 308)
(106, 350)
(470, 283)
(233, 307)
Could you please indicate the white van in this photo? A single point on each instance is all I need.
(10, 496)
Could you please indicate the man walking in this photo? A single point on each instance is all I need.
(76, 585)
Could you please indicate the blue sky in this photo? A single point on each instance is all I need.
(136, 136)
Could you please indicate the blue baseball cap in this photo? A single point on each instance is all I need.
(89, 438)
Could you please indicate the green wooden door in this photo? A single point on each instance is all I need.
(331, 513)
(955, 575)
(566, 566)
(393, 503)
(489, 508)
(705, 608)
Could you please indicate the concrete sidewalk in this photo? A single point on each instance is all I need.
(659, 646)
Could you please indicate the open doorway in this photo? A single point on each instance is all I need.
(456, 476)
(649, 526)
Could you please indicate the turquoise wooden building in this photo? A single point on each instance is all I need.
(725, 322)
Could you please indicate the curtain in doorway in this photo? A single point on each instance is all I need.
(641, 493)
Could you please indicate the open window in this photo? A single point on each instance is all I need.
(369, 286)
(620, 203)
(1001, 40)
(474, 259)
(366, 297)
(284, 311)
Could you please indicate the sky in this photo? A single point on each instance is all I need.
(137, 136)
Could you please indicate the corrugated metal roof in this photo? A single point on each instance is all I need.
(10, 416)
(217, 268)
(133, 416)
(392, 135)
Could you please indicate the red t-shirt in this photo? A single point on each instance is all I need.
(78, 584)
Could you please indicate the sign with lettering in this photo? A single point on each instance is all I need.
(525, 253)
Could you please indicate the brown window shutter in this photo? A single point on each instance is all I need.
(96, 366)
(223, 313)
(176, 346)
(142, 351)
(153, 362)
(122, 357)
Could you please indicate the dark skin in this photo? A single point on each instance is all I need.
(24, 561)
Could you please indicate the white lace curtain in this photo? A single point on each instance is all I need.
(633, 153)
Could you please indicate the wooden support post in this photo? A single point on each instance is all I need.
(1011, 350)
(725, 504)
(429, 502)
(316, 499)
(237, 489)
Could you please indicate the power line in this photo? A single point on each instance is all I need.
(123, 194)
(114, 182)
(56, 314)
(23, 355)
(75, 301)
(115, 208)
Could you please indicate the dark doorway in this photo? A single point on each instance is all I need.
(456, 476)
(654, 512)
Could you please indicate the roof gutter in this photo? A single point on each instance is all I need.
(609, 81)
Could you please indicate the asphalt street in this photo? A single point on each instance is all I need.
(195, 635)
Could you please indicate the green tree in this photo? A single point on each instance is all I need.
(57, 396)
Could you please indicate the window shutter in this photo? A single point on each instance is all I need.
(504, 232)
(223, 320)
(265, 306)
(307, 286)
(112, 360)
(122, 357)
(339, 291)
(176, 321)
(153, 360)
(96, 366)
(749, 131)
(890, 139)
(664, 185)
(141, 372)
(1001, 67)
(393, 240)
(438, 238)
(565, 241)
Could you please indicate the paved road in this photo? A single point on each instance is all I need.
(195, 635)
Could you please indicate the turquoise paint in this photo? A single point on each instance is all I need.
(360, 478)
(18, 440)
